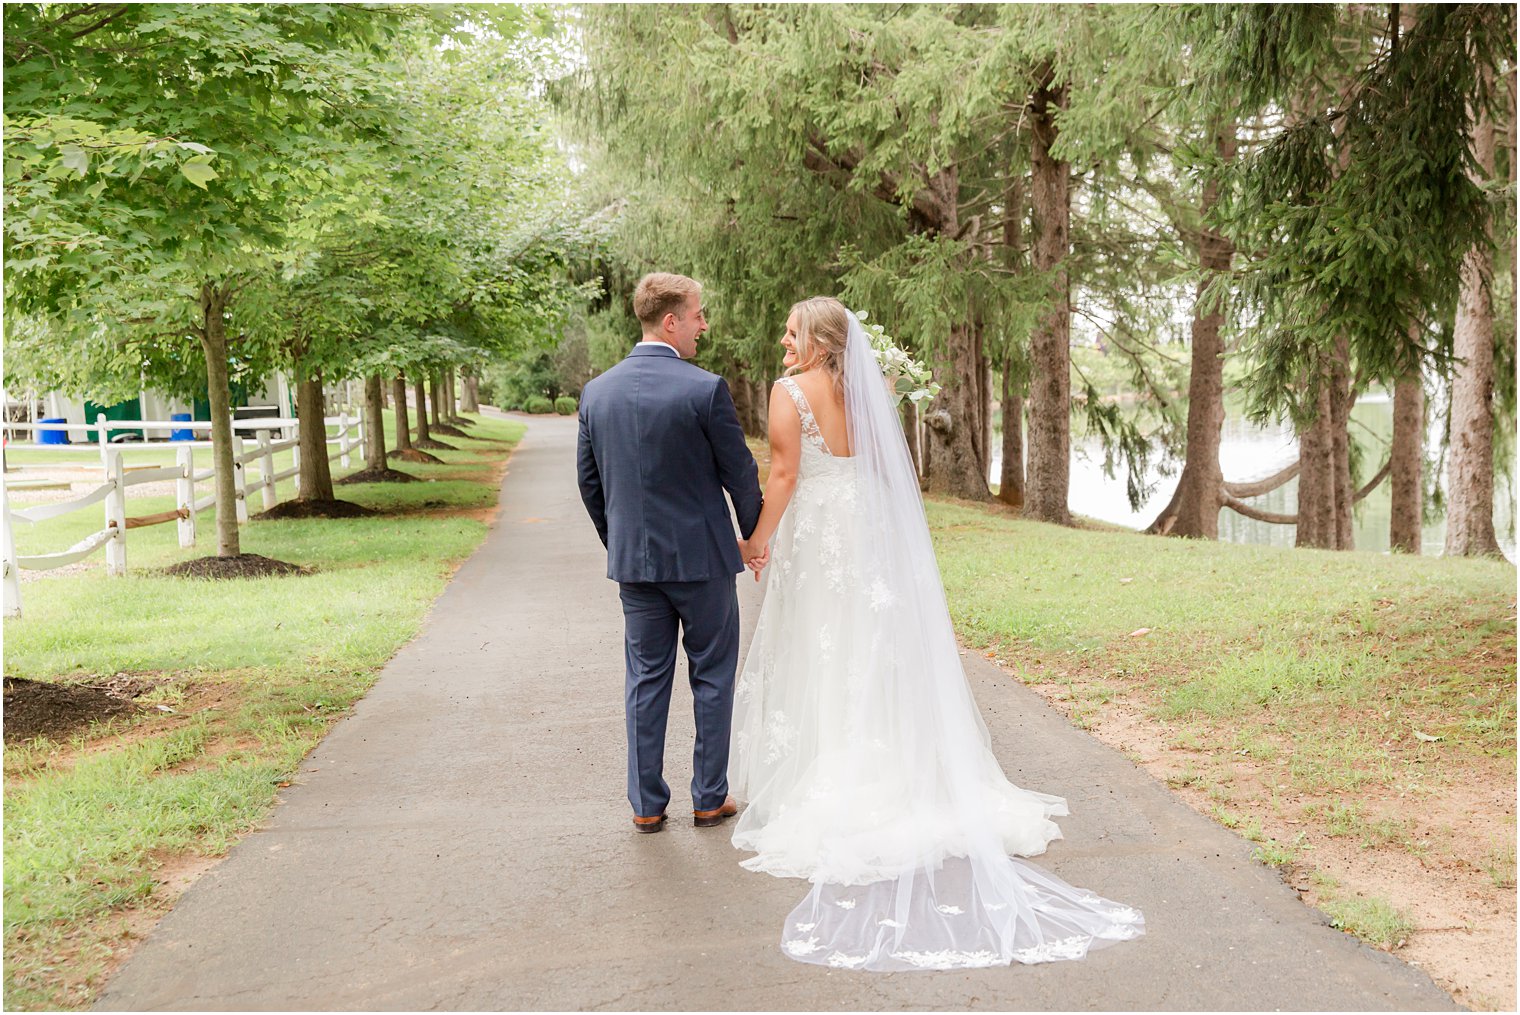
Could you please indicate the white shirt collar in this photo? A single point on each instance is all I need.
(656, 341)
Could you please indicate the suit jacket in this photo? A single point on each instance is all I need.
(659, 443)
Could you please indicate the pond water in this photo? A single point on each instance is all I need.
(1251, 452)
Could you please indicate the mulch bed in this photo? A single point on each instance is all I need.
(35, 709)
(314, 509)
(447, 430)
(433, 445)
(244, 565)
(378, 476)
(413, 455)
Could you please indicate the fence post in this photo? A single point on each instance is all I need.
(266, 467)
(295, 459)
(8, 555)
(239, 480)
(116, 516)
(343, 437)
(184, 493)
(100, 435)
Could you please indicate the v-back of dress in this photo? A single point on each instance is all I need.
(813, 443)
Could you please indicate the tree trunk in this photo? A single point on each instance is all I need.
(1011, 482)
(760, 407)
(471, 393)
(374, 423)
(1015, 369)
(1470, 471)
(213, 337)
(1050, 344)
(1194, 508)
(983, 400)
(1325, 493)
(1316, 483)
(955, 465)
(316, 476)
(742, 395)
(1407, 460)
(419, 388)
(910, 434)
(1342, 397)
(403, 425)
(435, 392)
(926, 449)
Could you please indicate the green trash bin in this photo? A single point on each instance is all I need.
(130, 409)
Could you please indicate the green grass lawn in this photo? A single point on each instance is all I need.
(251, 673)
(1248, 634)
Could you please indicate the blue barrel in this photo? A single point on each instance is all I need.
(52, 436)
(181, 435)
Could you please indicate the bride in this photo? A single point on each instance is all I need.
(857, 745)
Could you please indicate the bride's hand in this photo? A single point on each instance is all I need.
(759, 562)
(755, 558)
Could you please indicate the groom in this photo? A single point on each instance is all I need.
(659, 443)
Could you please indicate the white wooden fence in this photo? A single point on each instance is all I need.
(117, 479)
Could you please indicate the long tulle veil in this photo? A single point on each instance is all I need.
(955, 898)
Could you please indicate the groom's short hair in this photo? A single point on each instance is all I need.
(660, 293)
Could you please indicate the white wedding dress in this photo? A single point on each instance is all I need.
(859, 751)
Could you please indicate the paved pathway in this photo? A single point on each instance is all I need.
(462, 842)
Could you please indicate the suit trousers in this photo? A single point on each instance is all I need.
(707, 614)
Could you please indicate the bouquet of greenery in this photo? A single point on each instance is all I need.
(907, 377)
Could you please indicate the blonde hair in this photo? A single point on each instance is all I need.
(823, 327)
(660, 293)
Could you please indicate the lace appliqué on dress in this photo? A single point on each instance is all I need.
(810, 428)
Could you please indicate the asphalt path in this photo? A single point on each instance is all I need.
(461, 841)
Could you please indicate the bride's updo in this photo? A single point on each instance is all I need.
(823, 326)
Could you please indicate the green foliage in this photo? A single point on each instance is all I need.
(267, 99)
(546, 373)
(565, 405)
(538, 405)
(1363, 205)
(881, 153)
(369, 196)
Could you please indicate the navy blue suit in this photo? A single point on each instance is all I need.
(659, 444)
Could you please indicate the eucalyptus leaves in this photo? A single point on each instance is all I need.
(909, 378)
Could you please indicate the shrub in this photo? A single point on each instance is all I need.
(537, 404)
(565, 405)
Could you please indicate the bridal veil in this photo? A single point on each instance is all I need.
(922, 880)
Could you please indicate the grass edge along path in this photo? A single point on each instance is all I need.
(1353, 714)
(104, 830)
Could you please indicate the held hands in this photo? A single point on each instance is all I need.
(755, 557)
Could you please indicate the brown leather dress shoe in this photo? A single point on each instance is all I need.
(648, 825)
(707, 819)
